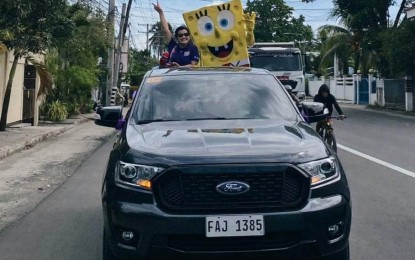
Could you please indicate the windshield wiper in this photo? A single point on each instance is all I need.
(141, 122)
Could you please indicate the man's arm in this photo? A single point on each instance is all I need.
(336, 105)
(191, 65)
(295, 99)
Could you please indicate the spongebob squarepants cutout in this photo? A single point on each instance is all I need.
(222, 33)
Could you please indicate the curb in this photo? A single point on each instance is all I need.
(32, 141)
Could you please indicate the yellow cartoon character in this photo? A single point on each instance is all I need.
(222, 32)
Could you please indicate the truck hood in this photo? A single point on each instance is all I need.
(224, 141)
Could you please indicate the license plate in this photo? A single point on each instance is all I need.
(235, 226)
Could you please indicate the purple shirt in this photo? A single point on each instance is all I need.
(183, 56)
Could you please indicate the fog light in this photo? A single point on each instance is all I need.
(333, 229)
(127, 235)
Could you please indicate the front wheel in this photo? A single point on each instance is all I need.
(331, 140)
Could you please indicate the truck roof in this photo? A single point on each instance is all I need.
(274, 44)
(274, 47)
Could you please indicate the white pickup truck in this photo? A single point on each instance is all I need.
(283, 60)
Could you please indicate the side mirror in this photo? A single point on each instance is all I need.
(108, 116)
(314, 112)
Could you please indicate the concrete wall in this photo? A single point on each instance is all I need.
(15, 112)
(342, 89)
(314, 85)
(2, 77)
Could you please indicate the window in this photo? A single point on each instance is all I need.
(230, 95)
(277, 61)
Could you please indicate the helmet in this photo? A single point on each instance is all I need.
(288, 88)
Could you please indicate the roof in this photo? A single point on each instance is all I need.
(273, 49)
(274, 44)
(410, 12)
(207, 70)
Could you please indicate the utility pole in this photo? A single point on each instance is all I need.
(159, 46)
(110, 63)
(127, 16)
(147, 34)
(119, 47)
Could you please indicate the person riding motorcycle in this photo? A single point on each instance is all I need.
(329, 101)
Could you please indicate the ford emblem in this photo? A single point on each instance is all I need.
(232, 187)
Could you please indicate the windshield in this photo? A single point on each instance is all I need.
(277, 61)
(213, 96)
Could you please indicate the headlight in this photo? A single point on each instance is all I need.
(136, 175)
(322, 170)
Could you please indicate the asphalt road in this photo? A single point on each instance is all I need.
(383, 224)
(68, 223)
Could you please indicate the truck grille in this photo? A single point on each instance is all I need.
(193, 189)
(202, 243)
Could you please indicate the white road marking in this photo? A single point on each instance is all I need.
(373, 159)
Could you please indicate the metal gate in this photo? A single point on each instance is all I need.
(395, 93)
(29, 94)
(362, 92)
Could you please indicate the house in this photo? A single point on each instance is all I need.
(23, 106)
(410, 12)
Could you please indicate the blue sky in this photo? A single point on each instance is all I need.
(316, 14)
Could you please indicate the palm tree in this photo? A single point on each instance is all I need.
(365, 22)
(348, 45)
(337, 41)
(351, 47)
(156, 41)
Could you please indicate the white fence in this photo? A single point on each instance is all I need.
(344, 89)
(341, 88)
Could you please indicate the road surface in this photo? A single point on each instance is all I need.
(377, 152)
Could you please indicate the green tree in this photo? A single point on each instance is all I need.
(139, 63)
(342, 42)
(275, 22)
(27, 27)
(399, 49)
(77, 61)
(367, 21)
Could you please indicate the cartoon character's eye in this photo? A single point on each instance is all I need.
(226, 20)
(205, 25)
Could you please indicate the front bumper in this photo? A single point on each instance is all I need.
(301, 234)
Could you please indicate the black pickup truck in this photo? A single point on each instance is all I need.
(219, 162)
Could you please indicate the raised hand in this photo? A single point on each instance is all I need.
(157, 7)
(249, 20)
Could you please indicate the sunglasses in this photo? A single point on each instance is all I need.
(182, 34)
